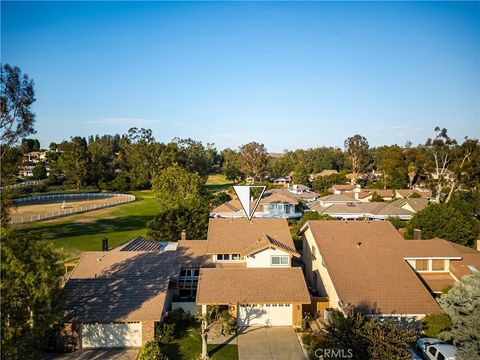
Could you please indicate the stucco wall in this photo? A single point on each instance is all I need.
(324, 284)
(262, 259)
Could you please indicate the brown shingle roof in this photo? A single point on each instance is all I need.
(416, 204)
(232, 236)
(343, 187)
(265, 242)
(252, 285)
(407, 192)
(372, 274)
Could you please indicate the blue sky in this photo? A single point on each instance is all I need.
(288, 74)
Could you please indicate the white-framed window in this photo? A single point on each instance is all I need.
(228, 257)
(279, 260)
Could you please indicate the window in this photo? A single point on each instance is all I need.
(314, 252)
(235, 256)
(421, 265)
(440, 356)
(228, 257)
(279, 260)
(438, 265)
(219, 256)
(432, 350)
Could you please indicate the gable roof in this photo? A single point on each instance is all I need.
(337, 198)
(232, 236)
(266, 242)
(365, 262)
(416, 204)
(409, 192)
(344, 187)
(252, 285)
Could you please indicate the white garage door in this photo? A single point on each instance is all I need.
(265, 315)
(111, 335)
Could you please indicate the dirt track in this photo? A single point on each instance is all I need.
(44, 208)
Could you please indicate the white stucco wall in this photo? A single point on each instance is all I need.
(262, 259)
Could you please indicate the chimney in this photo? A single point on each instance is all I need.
(183, 235)
(417, 234)
(356, 195)
(104, 244)
(359, 244)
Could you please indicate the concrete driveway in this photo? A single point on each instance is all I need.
(269, 343)
(96, 354)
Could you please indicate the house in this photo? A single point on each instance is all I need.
(370, 266)
(322, 173)
(282, 180)
(297, 192)
(329, 200)
(35, 157)
(411, 204)
(406, 193)
(116, 298)
(338, 189)
(364, 210)
(261, 286)
(272, 205)
(442, 173)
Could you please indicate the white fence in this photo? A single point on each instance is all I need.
(118, 199)
(24, 184)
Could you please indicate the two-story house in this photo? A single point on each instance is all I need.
(370, 266)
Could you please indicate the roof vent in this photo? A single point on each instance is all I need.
(359, 244)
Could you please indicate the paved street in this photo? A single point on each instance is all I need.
(269, 343)
(95, 354)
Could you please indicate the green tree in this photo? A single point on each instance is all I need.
(193, 156)
(357, 155)
(28, 145)
(322, 184)
(435, 324)
(32, 300)
(219, 198)
(231, 165)
(176, 187)
(16, 99)
(376, 198)
(74, 160)
(301, 174)
(102, 159)
(462, 305)
(39, 172)
(253, 160)
(390, 160)
(169, 223)
(444, 221)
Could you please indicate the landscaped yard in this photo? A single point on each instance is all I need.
(82, 232)
(190, 347)
(217, 182)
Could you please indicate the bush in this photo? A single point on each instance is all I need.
(39, 172)
(395, 220)
(165, 333)
(229, 323)
(434, 324)
(121, 182)
(151, 351)
(376, 197)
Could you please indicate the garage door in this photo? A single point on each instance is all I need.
(265, 315)
(111, 335)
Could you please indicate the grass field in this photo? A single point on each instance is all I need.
(217, 182)
(77, 233)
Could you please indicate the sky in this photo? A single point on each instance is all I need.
(286, 74)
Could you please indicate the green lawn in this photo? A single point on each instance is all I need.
(217, 182)
(189, 348)
(82, 232)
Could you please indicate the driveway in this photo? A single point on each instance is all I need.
(96, 354)
(269, 343)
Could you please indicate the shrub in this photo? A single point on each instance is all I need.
(395, 220)
(434, 324)
(151, 351)
(165, 333)
(229, 323)
(39, 172)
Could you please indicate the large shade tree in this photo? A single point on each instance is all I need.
(356, 153)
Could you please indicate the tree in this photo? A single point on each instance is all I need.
(462, 304)
(253, 160)
(322, 184)
(376, 198)
(356, 151)
(435, 324)
(367, 338)
(39, 172)
(207, 319)
(444, 221)
(193, 156)
(151, 350)
(74, 161)
(28, 145)
(169, 223)
(102, 159)
(219, 198)
(31, 299)
(16, 99)
(301, 174)
(440, 149)
(176, 187)
(391, 161)
(231, 165)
